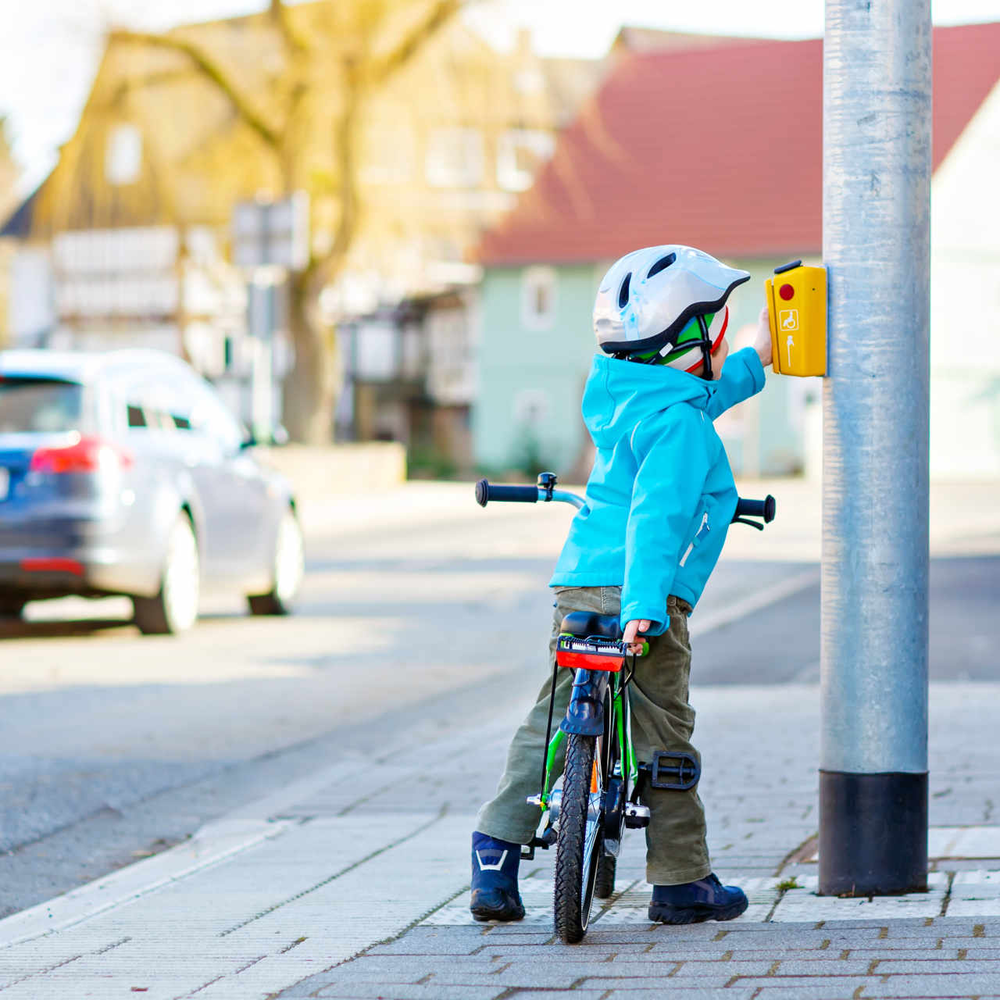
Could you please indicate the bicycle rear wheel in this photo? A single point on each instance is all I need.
(578, 849)
(604, 883)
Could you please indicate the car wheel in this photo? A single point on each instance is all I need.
(175, 608)
(289, 568)
(11, 607)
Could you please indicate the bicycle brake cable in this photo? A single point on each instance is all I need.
(631, 673)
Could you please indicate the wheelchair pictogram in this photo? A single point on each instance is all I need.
(788, 319)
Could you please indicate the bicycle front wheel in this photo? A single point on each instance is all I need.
(578, 848)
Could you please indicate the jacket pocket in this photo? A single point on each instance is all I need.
(703, 528)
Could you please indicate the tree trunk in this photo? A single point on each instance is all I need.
(310, 389)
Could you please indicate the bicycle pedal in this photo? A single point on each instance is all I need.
(528, 850)
(636, 816)
(673, 770)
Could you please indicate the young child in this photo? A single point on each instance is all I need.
(659, 501)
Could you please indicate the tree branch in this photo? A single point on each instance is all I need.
(208, 69)
(438, 14)
(133, 83)
(294, 41)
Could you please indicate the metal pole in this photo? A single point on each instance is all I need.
(261, 329)
(876, 244)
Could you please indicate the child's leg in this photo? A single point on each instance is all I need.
(507, 816)
(662, 719)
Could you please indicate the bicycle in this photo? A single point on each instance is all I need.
(602, 778)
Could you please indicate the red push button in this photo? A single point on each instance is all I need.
(786, 292)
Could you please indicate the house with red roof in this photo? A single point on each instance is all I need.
(721, 148)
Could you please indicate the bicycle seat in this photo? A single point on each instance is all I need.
(588, 623)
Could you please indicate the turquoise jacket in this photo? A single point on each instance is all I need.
(661, 495)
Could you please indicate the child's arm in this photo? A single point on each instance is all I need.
(743, 373)
(671, 451)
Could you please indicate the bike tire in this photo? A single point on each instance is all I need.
(604, 884)
(576, 867)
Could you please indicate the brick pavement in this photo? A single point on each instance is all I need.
(836, 960)
(760, 795)
(356, 887)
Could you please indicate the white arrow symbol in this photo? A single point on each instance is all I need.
(791, 344)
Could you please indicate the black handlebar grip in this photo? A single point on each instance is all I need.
(486, 491)
(765, 508)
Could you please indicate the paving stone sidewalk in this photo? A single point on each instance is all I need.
(760, 794)
(357, 886)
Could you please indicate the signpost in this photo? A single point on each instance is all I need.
(876, 245)
(270, 238)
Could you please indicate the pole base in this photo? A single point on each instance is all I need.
(872, 833)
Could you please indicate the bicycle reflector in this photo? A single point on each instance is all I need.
(589, 654)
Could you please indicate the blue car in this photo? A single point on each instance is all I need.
(123, 472)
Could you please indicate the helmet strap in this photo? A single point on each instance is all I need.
(657, 356)
(706, 349)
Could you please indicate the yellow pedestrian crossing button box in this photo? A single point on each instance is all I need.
(796, 307)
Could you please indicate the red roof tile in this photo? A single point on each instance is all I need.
(717, 148)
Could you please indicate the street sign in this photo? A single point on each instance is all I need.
(272, 233)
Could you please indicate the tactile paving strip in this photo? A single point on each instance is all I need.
(972, 893)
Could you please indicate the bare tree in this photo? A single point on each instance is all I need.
(360, 44)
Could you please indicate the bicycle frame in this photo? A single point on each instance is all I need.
(603, 780)
(620, 729)
(584, 714)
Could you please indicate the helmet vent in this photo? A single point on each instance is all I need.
(623, 291)
(662, 264)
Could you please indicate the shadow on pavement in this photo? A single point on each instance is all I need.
(17, 629)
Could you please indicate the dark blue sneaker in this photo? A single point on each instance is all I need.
(706, 899)
(494, 879)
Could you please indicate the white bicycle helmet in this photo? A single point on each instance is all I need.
(661, 303)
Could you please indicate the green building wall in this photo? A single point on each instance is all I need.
(527, 410)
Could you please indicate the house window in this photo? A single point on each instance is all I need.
(388, 151)
(538, 298)
(530, 407)
(520, 152)
(454, 158)
(123, 155)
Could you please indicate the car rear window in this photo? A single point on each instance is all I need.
(39, 405)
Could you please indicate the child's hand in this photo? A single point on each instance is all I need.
(762, 340)
(631, 628)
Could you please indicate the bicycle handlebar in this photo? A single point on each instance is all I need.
(764, 509)
(486, 491)
(545, 491)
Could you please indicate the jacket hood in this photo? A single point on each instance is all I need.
(620, 393)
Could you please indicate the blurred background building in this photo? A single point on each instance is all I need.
(130, 239)
(456, 205)
(705, 147)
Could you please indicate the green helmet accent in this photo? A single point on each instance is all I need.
(690, 335)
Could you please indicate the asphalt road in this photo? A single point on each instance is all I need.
(114, 745)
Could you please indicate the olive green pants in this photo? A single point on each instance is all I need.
(662, 719)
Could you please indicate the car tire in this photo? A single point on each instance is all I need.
(288, 567)
(11, 607)
(175, 608)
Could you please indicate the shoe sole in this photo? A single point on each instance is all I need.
(484, 913)
(663, 913)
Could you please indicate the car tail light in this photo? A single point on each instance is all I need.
(88, 454)
(56, 565)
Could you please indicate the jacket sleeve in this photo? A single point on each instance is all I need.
(671, 451)
(742, 377)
